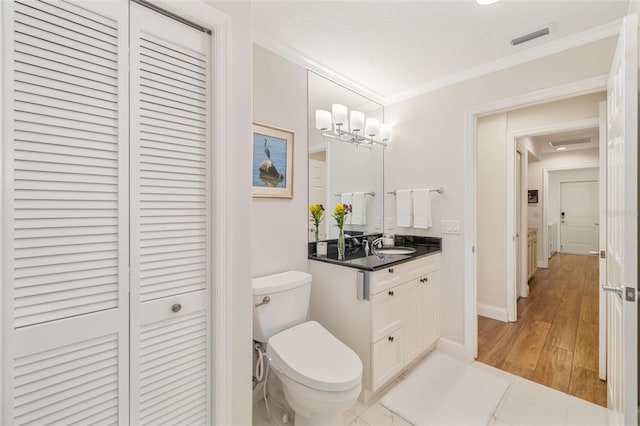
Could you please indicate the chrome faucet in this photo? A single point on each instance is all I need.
(378, 242)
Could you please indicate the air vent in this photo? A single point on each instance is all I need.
(528, 37)
(557, 144)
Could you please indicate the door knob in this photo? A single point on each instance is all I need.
(612, 289)
(265, 301)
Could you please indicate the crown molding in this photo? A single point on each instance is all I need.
(556, 46)
(266, 41)
(585, 37)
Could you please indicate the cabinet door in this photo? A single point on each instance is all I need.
(386, 312)
(386, 358)
(412, 322)
(429, 308)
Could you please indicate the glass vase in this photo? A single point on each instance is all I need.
(341, 244)
(317, 233)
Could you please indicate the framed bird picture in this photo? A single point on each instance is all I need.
(272, 164)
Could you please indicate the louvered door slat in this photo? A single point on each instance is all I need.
(67, 283)
(60, 18)
(170, 223)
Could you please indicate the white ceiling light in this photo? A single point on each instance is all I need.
(361, 130)
(559, 145)
(561, 148)
(486, 2)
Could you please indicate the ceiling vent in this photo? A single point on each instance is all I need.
(531, 36)
(565, 143)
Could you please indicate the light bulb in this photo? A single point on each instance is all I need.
(385, 132)
(339, 114)
(371, 127)
(323, 119)
(357, 121)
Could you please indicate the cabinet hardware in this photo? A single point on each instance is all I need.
(391, 270)
(176, 307)
(265, 301)
(391, 338)
(390, 292)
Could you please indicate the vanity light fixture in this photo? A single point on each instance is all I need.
(359, 130)
(485, 2)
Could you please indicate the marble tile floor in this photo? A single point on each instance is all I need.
(526, 403)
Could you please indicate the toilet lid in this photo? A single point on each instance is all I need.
(310, 355)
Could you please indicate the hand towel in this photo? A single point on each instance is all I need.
(346, 198)
(422, 208)
(403, 208)
(359, 213)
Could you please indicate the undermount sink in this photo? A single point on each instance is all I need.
(395, 250)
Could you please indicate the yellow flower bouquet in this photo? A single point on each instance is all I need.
(317, 214)
(340, 212)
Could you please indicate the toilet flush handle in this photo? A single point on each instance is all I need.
(265, 301)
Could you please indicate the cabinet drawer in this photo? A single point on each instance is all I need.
(389, 277)
(386, 359)
(386, 312)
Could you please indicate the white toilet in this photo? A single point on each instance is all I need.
(321, 376)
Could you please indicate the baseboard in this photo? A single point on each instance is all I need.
(451, 348)
(544, 264)
(493, 312)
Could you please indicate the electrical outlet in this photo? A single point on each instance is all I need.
(450, 227)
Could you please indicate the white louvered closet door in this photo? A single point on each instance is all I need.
(65, 153)
(170, 220)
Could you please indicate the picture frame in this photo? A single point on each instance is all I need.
(272, 162)
(532, 196)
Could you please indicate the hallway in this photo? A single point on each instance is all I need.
(555, 341)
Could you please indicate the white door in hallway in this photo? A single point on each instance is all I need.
(318, 187)
(579, 210)
(622, 228)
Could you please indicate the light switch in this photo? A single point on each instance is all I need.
(450, 227)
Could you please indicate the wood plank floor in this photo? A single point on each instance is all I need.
(555, 340)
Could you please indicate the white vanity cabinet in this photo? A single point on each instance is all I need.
(398, 322)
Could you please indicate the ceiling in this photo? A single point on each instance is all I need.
(542, 146)
(395, 47)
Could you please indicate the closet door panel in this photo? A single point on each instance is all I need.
(170, 221)
(66, 213)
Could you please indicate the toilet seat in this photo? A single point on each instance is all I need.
(310, 355)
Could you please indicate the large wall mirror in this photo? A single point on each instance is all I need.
(337, 167)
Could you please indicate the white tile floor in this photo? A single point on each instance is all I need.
(525, 404)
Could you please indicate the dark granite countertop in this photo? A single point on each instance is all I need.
(425, 246)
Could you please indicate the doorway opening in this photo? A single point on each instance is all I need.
(540, 323)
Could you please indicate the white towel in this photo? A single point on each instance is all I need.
(403, 208)
(346, 198)
(359, 213)
(422, 208)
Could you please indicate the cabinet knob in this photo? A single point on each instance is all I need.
(391, 338)
(176, 307)
(390, 292)
(391, 270)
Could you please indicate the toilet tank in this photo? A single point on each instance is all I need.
(288, 305)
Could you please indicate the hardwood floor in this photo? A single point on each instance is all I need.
(555, 340)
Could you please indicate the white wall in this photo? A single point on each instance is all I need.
(428, 148)
(240, 208)
(492, 215)
(280, 226)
